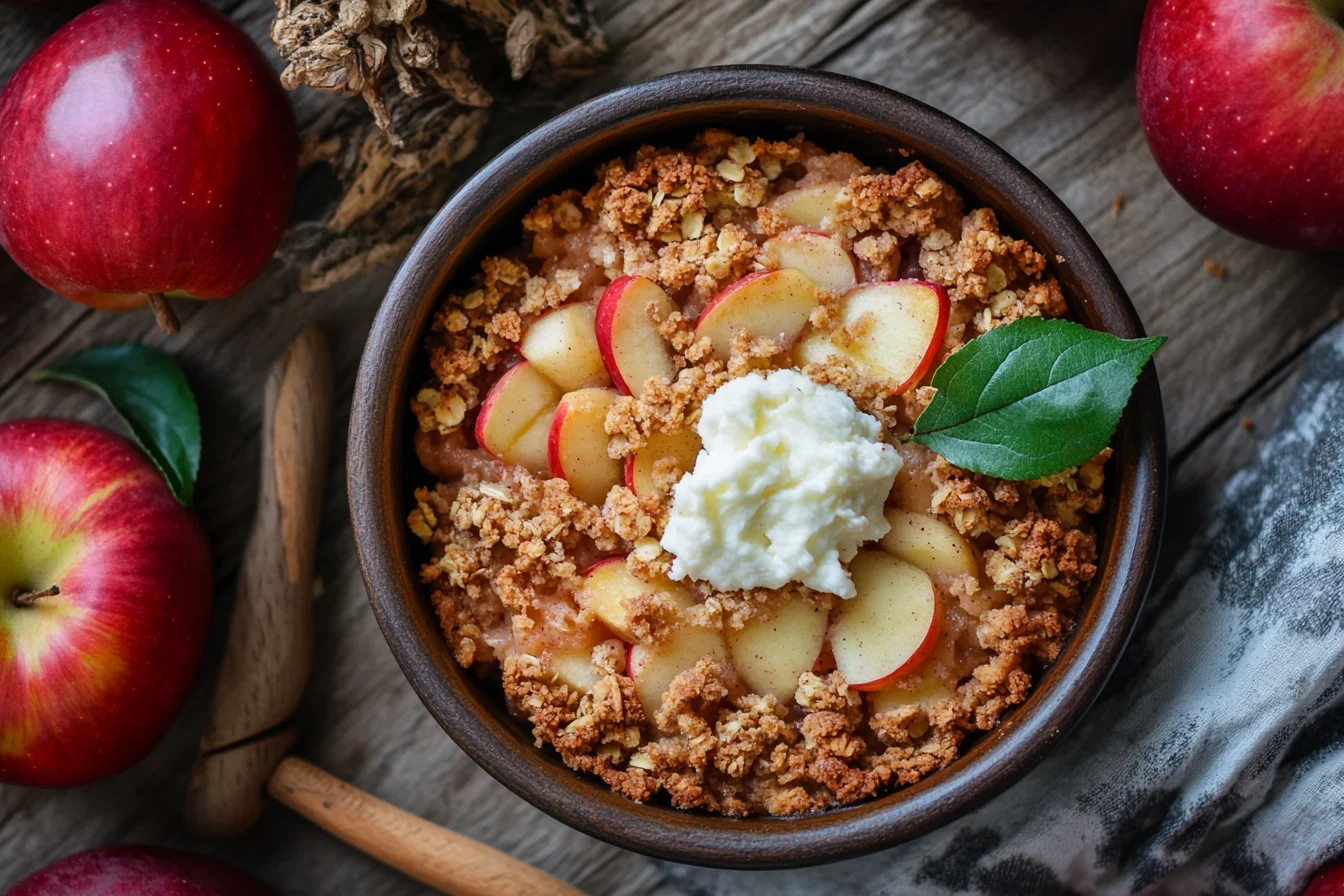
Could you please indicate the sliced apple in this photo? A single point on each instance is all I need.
(632, 348)
(914, 487)
(515, 418)
(654, 666)
(892, 330)
(573, 667)
(809, 206)
(929, 543)
(682, 446)
(817, 255)
(577, 444)
(926, 692)
(890, 625)
(770, 304)
(770, 654)
(607, 586)
(562, 346)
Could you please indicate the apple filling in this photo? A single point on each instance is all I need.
(688, 585)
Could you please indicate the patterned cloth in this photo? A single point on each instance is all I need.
(1214, 760)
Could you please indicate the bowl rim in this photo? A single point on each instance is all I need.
(702, 97)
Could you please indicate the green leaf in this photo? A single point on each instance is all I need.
(1031, 398)
(149, 392)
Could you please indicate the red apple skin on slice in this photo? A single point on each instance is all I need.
(562, 346)
(769, 304)
(577, 445)
(895, 330)
(607, 585)
(653, 667)
(809, 206)
(683, 447)
(817, 255)
(515, 418)
(769, 654)
(890, 626)
(628, 338)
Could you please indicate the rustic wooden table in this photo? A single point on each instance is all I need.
(1049, 80)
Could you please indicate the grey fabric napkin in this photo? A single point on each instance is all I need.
(1214, 760)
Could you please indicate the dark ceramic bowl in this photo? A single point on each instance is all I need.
(839, 113)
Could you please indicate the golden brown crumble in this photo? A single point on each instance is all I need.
(507, 549)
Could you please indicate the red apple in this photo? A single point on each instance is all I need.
(609, 583)
(138, 871)
(1329, 881)
(146, 148)
(104, 602)
(1243, 105)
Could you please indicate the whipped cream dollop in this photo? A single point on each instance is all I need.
(790, 482)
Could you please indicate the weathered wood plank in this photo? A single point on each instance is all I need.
(1050, 80)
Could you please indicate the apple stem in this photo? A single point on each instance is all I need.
(28, 598)
(163, 313)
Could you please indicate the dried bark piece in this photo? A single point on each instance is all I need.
(354, 47)
(395, 169)
(388, 192)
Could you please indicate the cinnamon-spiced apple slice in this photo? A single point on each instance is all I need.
(929, 543)
(766, 304)
(681, 447)
(628, 316)
(892, 330)
(515, 417)
(809, 206)
(770, 653)
(891, 624)
(609, 586)
(562, 345)
(817, 255)
(577, 444)
(654, 666)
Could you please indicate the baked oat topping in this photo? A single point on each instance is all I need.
(734, 701)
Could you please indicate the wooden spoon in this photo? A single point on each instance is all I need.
(269, 653)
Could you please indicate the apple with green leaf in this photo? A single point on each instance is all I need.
(146, 148)
(104, 602)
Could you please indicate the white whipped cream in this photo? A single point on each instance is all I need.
(790, 482)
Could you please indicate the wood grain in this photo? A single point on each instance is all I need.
(1050, 80)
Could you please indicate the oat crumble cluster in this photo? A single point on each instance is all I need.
(508, 549)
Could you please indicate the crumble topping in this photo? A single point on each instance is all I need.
(507, 549)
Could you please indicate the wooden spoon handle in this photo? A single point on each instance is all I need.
(270, 646)
(449, 862)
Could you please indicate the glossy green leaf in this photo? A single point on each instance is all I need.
(149, 392)
(1031, 398)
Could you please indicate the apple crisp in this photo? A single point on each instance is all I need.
(560, 411)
